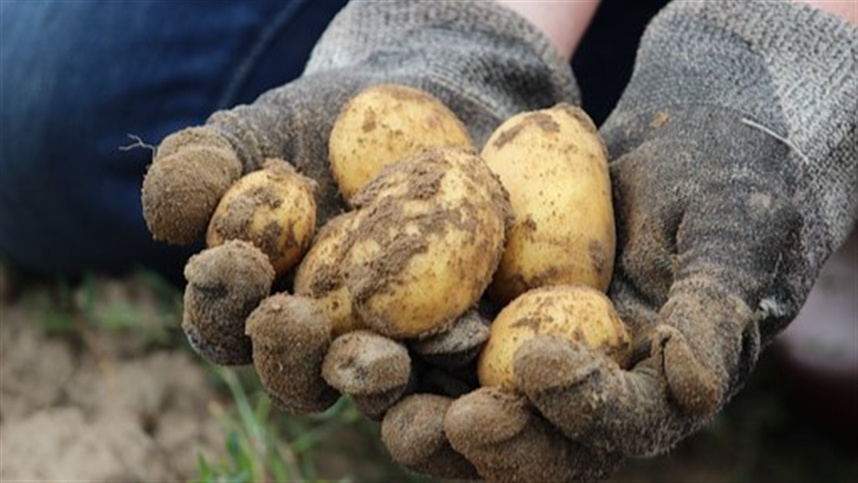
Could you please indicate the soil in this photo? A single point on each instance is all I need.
(79, 404)
(86, 404)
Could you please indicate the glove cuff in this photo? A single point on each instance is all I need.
(484, 61)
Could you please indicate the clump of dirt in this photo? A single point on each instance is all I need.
(90, 405)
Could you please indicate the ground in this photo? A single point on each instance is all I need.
(97, 384)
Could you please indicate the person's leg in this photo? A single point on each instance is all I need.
(77, 77)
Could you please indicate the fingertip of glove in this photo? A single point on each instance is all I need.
(457, 346)
(413, 432)
(363, 363)
(224, 284)
(484, 417)
(547, 363)
(290, 336)
(195, 136)
(694, 388)
(190, 173)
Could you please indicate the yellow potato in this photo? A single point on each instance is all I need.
(554, 166)
(577, 313)
(384, 124)
(429, 237)
(273, 208)
(319, 275)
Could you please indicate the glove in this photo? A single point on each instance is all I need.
(483, 62)
(734, 173)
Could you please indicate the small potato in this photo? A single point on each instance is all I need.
(429, 236)
(319, 275)
(554, 166)
(384, 124)
(578, 313)
(273, 208)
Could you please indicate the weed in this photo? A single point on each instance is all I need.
(264, 445)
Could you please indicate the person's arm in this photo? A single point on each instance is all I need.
(846, 9)
(564, 23)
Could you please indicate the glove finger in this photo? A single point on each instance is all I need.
(507, 441)
(290, 337)
(589, 397)
(225, 283)
(374, 370)
(191, 171)
(665, 396)
(413, 432)
(458, 346)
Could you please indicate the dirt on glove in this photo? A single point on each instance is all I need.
(225, 284)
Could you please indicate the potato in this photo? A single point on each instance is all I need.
(384, 124)
(578, 313)
(429, 236)
(319, 275)
(273, 208)
(554, 166)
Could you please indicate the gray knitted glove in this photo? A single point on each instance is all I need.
(735, 176)
(482, 61)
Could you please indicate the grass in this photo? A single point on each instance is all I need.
(93, 303)
(263, 444)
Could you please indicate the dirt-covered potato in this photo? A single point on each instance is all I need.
(384, 124)
(273, 208)
(319, 275)
(225, 283)
(554, 165)
(429, 236)
(578, 313)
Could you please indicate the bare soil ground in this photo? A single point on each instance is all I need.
(98, 405)
(111, 393)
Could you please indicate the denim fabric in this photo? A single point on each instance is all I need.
(76, 77)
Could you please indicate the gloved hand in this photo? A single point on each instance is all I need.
(734, 174)
(484, 62)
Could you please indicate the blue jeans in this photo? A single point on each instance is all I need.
(77, 77)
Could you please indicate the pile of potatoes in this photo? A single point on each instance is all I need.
(435, 229)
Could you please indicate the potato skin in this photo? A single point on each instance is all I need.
(319, 275)
(577, 313)
(273, 208)
(430, 235)
(554, 165)
(386, 123)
